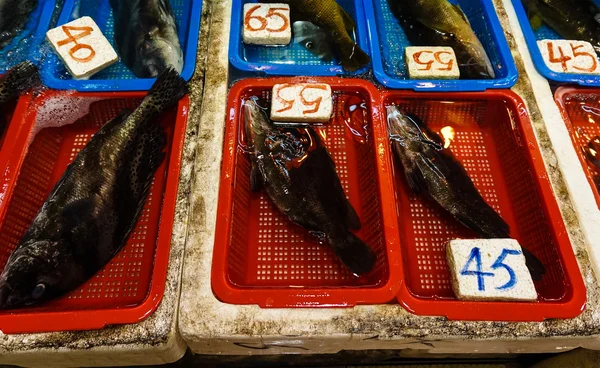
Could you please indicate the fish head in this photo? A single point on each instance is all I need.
(407, 130)
(157, 53)
(257, 124)
(477, 63)
(314, 39)
(31, 276)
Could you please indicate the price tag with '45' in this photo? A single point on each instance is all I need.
(490, 269)
(566, 56)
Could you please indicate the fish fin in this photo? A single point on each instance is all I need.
(354, 58)
(415, 179)
(349, 23)
(168, 89)
(256, 179)
(19, 78)
(534, 265)
(354, 253)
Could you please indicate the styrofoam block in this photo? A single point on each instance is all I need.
(309, 103)
(489, 269)
(431, 62)
(568, 56)
(267, 24)
(82, 47)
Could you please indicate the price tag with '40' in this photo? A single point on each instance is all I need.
(566, 56)
(82, 47)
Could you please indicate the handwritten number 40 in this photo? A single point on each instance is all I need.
(72, 38)
(475, 257)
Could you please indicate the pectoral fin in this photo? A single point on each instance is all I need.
(256, 179)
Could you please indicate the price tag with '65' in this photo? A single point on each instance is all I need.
(490, 269)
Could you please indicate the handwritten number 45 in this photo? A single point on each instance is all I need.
(475, 257)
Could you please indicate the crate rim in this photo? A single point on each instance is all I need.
(502, 311)
(16, 322)
(236, 44)
(270, 297)
(538, 60)
(118, 85)
(459, 85)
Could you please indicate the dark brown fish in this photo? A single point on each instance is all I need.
(14, 14)
(433, 170)
(299, 176)
(15, 81)
(91, 211)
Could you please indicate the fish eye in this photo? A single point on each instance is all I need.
(309, 45)
(38, 291)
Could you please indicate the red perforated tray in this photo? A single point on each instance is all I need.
(496, 144)
(131, 286)
(260, 257)
(580, 108)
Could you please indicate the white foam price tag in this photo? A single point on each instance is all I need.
(82, 47)
(431, 63)
(267, 24)
(308, 103)
(566, 56)
(489, 269)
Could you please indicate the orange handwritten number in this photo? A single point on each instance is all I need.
(83, 32)
(287, 104)
(438, 58)
(577, 54)
(316, 103)
(562, 59)
(273, 12)
(417, 59)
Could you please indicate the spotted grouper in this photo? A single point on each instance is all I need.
(146, 36)
(89, 214)
(15, 81)
(14, 14)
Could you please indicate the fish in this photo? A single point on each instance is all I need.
(314, 39)
(433, 171)
(146, 36)
(92, 209)
(14, 14)
(592, 152)
(298, 174)
(336, 23)
(572, 20)
(440, 23)
(15, 81)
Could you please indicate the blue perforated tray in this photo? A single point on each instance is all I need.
(545, 33)
(388, 42)
(118, 76)
(293, 59)
(25, 45)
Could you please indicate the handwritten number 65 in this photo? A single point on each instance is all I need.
(273, 12)
(475, 257)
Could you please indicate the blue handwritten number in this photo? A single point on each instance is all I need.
(475, 256)
(498, 263)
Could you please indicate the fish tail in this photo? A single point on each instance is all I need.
(353, 253)
(353, 57)
(20, 78)
(168, 89)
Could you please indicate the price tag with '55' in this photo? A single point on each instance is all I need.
(567, 56)
(490, 269)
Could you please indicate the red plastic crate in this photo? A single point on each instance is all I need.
(131, 286)
(580, 108)
(496, 144)
(261, 257)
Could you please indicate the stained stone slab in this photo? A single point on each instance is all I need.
(211, 327)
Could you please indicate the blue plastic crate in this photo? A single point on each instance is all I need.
(25, 45)
(545, 33)
(292, 59)
(118, 76)
(388, 42)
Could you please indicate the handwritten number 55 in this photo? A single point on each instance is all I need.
(475, 257)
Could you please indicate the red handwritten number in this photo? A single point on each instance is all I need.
(313, 105)
(562, 59)
(438, 58)
(417, 59)
(264, 23)
(316, 103)
(83, 32)
(584, 54)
